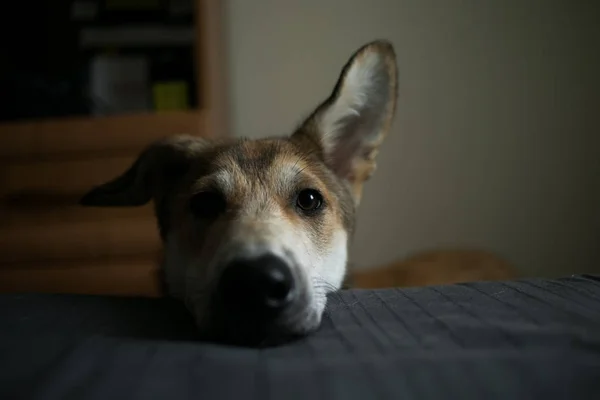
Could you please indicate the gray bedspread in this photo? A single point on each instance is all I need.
(528, 339)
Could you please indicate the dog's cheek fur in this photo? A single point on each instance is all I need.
(324, 234)
(192, 256)
(185, 239)
(324, 240)
(333, 233)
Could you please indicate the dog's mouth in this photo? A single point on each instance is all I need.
(241, 324)
(254, 337)
(252, 330)
(259, 301)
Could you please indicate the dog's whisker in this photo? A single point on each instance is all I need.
(320, 282)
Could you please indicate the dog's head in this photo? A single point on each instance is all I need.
(256, 231)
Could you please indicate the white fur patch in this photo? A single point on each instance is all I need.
(333, 265)
(287, 173)
(359, 84)
(224, 180)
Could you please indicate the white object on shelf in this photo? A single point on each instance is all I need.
(84, 10)
(119, 84)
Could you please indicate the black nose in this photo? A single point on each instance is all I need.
(258, 286)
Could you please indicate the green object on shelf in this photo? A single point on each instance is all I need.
(170, 96)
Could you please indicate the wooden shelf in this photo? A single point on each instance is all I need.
(48, 139)
(47, 210)
(78, 240)
(120, 277)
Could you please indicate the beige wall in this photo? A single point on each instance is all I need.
(496, 141)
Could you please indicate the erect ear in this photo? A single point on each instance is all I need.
(348, 128)
(159, 164)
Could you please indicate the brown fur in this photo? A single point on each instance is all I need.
(436, 268)
(246, 160)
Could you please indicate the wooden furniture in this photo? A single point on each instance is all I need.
(50, 244)
(435, 267)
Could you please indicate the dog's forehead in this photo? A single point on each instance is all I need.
(258, 155)
(254, 154)
(273, 163)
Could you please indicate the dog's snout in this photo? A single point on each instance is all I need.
(262, 285)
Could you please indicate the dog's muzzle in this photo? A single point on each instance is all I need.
(259, 288)
(256, 299)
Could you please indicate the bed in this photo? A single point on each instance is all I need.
(523, 339)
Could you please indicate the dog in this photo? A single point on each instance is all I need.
(435, 267)
(256, 232)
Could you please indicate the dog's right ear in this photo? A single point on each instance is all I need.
(159, 164)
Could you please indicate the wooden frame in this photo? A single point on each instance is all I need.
(40, 140)
(50, 136)
(212, 46)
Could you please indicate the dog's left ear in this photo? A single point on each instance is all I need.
(348, 128)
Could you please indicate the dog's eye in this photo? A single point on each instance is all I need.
(309, 200)
(207, 205)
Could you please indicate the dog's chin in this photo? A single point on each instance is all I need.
(223, 330)
(251, 339)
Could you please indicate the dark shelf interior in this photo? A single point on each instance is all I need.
(64, 58)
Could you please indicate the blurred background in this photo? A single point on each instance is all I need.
(496, 144)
